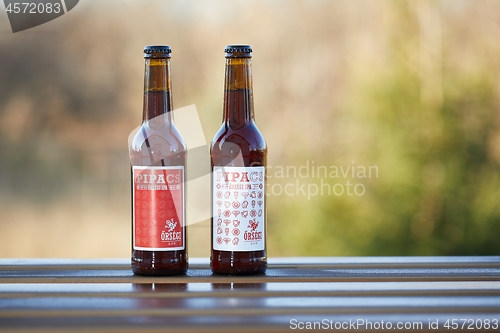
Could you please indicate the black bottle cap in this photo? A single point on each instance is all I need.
(157, 51)
(238, 51)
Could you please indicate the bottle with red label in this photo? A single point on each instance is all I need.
(238, 156)
(158, 160)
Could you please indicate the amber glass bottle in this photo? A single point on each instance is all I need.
(158, 159)
(238, 155)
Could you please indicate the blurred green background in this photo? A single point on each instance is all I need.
(410, 88)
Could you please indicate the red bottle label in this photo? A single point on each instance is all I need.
(158, 208)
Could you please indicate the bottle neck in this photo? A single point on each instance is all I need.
(157, 93)
(238, 93)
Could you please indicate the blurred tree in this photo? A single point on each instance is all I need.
(432, 129)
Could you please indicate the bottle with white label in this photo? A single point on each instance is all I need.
(158, 160)
(238, 155)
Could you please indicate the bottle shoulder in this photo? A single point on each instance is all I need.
(248, 135)
(167, 135)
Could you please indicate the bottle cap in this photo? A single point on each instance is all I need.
(238, 51)
(157, 51)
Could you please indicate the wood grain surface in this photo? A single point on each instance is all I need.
(357, 293)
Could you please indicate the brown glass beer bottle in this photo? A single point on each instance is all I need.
(238, 155)
(158, 160)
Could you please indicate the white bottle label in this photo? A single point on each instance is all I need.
(238, 208)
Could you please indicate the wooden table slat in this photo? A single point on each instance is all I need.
(103, 295)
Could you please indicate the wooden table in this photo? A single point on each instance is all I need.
(359, 293)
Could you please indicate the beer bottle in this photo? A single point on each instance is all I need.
(238, 157)
(158, 159)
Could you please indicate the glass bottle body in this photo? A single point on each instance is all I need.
(238, 143)
(158, 145)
